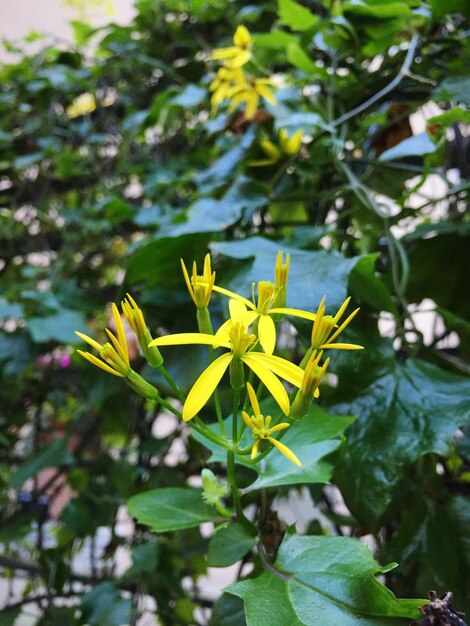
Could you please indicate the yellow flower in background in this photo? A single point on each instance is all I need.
(249, 93)
(82, 105)
(114, 355)
(287, 146)
(200, 286)
(225, 81)
(262, 311)
(85, 8)
(324, 325)
(261, 429)
(238, 54)
(235, 337)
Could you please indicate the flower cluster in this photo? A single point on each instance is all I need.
(232, 82)
(248, 341)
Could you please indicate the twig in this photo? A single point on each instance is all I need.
(387, 89)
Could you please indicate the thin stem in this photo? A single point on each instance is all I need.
(218, 408)
(179, 394)
(231, 468)
(387, 89)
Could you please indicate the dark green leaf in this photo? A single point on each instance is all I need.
(327, 578)
(104, 606)
(228, 545)
(312, 274)
(410, 410)
(58, 327)
(171, 509)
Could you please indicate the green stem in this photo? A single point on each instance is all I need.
(231, 468)
(172, 383)
(218, 408)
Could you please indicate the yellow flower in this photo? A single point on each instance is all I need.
(82, 105)
(226, 79)
(281, 274)
(287, 147)
(249, 93)
(262, 311)
(261, 429)
(313, 375)
(240, 53)
(114, 355)
(135, 319)
(200, 287)
(115, 358)
(324, 324)
(234, 336)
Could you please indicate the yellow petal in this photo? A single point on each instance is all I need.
(242, 37)
(253, 399)
(342, 309)
(342, 346)
(100, 364)
(306, 315)
(281, 367)
(235, 296)
(272, 383)
(251, 100)
(247, 419)
(120, 332)
(117, 346)
(267, 333)
(343, 325)
(285, 451)
(254, 450)
(265, 92)
(181, 339)
(270, 149)
(278, 427)
(186, 279)
(94, 344)
(204, 386)
(237, 308)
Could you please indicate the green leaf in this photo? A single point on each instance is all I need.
(453, 116)
(53, 455)
(275, 40)
(104, 606)
(410, 410)
(228, 545)
(59, 327)
(312, 439)
(300, 59)
(454, 88)
(313, 274)
(431, 539)
(228, 611)
(367, 287)
(171, 508)
(10, 309)
(384, 10)
(331, 580)
(158, 261)
(296, 16)
(413, 146)
(8, 616)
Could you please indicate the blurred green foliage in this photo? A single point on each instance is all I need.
(100, 202)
